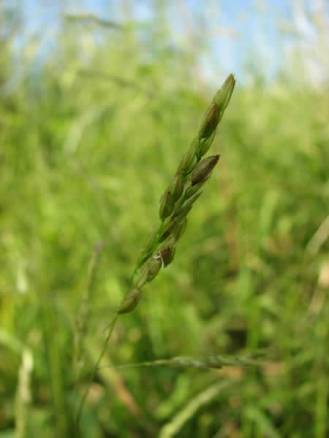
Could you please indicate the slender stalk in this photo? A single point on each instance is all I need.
(96, 366)
(84, 311)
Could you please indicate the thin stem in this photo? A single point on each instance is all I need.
(96, 366)
(84, 311)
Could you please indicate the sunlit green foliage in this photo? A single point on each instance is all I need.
(88, 143)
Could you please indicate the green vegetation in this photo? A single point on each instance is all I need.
(232, 338)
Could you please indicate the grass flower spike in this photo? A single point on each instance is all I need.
(178, 199)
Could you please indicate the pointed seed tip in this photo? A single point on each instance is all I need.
(214, 158)
(231, 79)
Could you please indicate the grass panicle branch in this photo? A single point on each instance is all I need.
(84, 311)
(210, 362)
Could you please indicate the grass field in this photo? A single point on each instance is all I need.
(87, 146)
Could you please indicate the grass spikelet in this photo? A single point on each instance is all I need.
(130, 302)
(203, 169)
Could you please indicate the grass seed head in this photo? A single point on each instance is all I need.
(180, 197)
(173, 228)
(186, 207)
(167, 255)
(179, 229)
(210, 123)
(214, 115)
(167, 204)
(223, 95)
(177, 187)
(152, 267)
(188, 161)
(130, 301)
(204, 145)
(190, 191)
(203, 169)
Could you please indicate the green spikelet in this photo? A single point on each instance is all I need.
(203, 169)
(130, 301)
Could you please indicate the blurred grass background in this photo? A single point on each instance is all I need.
(91, 129)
